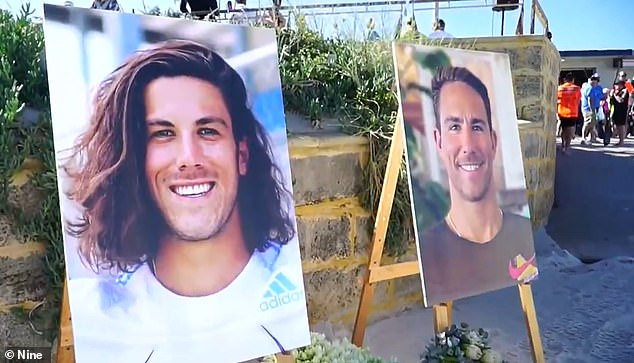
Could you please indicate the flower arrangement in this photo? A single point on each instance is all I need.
(321, 350)
(461, 345)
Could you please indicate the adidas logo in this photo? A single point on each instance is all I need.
(281, 291)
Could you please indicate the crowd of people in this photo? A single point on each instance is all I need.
(593, 112)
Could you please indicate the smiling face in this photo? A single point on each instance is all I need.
(465, 141)
(193, 163)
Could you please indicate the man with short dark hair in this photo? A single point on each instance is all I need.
(439, 31)
(478, 247)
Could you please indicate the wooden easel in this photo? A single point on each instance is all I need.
(66, 353)
(377, 273)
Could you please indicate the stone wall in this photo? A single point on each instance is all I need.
(23, 283)
(335, 231)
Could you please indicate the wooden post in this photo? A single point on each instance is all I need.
(442, 317)
(530, 315)
(65, 351)
(375, 271)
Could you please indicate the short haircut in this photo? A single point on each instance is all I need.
(569, 77)
(120, 223)
(446, 75)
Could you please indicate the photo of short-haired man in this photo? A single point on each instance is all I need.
(185, 208)
(478, 245)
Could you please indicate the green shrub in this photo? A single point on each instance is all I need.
(23, 82)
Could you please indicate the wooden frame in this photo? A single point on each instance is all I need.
(377, 272)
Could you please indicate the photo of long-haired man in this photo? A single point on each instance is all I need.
(180, 235)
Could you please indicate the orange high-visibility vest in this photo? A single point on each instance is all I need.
(568, 99)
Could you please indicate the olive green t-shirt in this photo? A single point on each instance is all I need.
(455, 268)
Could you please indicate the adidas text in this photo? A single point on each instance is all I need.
(279, 300)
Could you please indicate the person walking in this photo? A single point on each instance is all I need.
(619, 102)
(591, 94)
(568, 99)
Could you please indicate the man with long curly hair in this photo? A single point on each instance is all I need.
(181, 200)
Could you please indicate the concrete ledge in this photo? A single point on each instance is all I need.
(525, 124)
(326, 145)
(515, 41)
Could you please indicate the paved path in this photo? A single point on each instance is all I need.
(594, 214)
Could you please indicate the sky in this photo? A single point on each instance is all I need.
(566, 18)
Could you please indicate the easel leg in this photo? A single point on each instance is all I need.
(361, 321)
(380, 227)
(65, 351)
(284, 358)
(530, 315)
(442, 316)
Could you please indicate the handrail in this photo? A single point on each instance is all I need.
(538, 12)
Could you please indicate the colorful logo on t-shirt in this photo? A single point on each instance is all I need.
(281, 291)
(523, 270)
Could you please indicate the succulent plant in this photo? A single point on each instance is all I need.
(460, 344)
(321, 350)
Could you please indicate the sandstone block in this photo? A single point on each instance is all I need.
(530, 111)
(527, 86)
(363, 239)
(547, 175)
(323, 238)
(531, 143)
(325, 177)
(5, 231)
(17, 332)
(408, 285)
(22, 279)
(531, 173)
(333, 294)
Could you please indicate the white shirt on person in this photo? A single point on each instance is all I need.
(133, 317)
(440, 34)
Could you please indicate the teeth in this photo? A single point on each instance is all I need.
(470, 167)
(192, 190)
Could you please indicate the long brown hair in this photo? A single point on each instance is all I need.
(120, 224)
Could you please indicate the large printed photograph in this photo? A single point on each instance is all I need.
(175, 188)
(468, 191)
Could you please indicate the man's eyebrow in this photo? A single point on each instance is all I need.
(458, 120)
(211, 120)
(159, 122)
(200, 122)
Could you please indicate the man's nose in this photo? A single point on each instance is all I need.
(190, 154)
(466, 140)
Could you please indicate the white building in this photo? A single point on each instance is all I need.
(607, 62)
